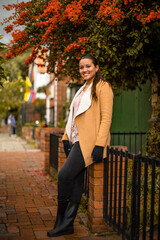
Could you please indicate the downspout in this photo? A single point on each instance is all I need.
(55, 102)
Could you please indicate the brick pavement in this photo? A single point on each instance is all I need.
(28, 200)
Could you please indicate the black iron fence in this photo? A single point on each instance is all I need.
(31, 114)
(132, 195)
(54, 144)
(135, 141)
(86, 183)
(33, 133)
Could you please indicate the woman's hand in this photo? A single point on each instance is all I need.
(67, 147)
(97, 154)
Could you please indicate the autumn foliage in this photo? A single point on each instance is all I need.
(120, 33)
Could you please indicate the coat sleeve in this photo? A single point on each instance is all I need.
(106, 105)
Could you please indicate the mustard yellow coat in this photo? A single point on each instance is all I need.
(93, 120)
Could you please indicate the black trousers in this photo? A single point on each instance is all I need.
(71, 176)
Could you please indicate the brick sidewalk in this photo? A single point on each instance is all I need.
(28, 199)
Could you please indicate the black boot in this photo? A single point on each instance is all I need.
(62, 205)
(66, 227)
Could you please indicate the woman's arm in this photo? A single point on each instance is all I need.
(106, 105)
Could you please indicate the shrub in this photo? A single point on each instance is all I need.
(153, 135)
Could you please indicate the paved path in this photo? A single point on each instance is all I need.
(28, 196)
(14, 144)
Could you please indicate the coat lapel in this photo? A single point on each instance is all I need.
(85, 101)
(70, 117)
(84, 105)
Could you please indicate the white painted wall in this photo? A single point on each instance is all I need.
(40, 79)
(48, 111)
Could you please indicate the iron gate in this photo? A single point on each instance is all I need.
(54, 144)
(132, 195)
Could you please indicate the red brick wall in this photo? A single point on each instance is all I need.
(95, 205)
(37, 137)
(42, 137)
(47, 144)
(27, 133)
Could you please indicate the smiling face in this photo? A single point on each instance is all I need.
(87, 69)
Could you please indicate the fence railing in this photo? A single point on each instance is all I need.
(54, 144)
(86, 183)
(132, 195)
(135, 141)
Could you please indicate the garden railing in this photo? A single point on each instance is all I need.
(135, 141)
(132, 194)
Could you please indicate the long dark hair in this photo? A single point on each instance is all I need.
(98, 76)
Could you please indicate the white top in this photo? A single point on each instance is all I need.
(74, 131)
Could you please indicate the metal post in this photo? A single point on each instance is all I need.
(115, 185)
(120, 191)
(152, 199)
(145, 197)
(124, 196)
(55, 102)
(105, 192)
(111, 185)
(138, 195)
(159, 215)
(133, 200)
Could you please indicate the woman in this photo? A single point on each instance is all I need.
(85, 139)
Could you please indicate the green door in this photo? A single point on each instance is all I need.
(131, 112)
